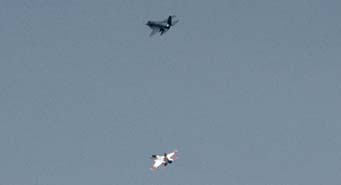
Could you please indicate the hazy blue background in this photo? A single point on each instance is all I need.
(248, 91)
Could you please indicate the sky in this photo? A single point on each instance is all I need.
(249, 92)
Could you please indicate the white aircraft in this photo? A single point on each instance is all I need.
(161, 26)
(164, 159)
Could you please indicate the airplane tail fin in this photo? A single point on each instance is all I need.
(169, 21)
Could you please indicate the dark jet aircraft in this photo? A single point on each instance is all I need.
(161, 26)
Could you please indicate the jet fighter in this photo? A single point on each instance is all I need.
(161, 26)
(164, 159)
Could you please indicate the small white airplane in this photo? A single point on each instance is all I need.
(161, 26)
(164, 159)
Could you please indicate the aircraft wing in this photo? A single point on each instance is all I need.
(166, 20)
(164, 31)
(157, 163)
(172, 154)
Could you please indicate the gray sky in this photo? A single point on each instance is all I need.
(248, 91)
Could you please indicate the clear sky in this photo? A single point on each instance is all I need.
(248, 91)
